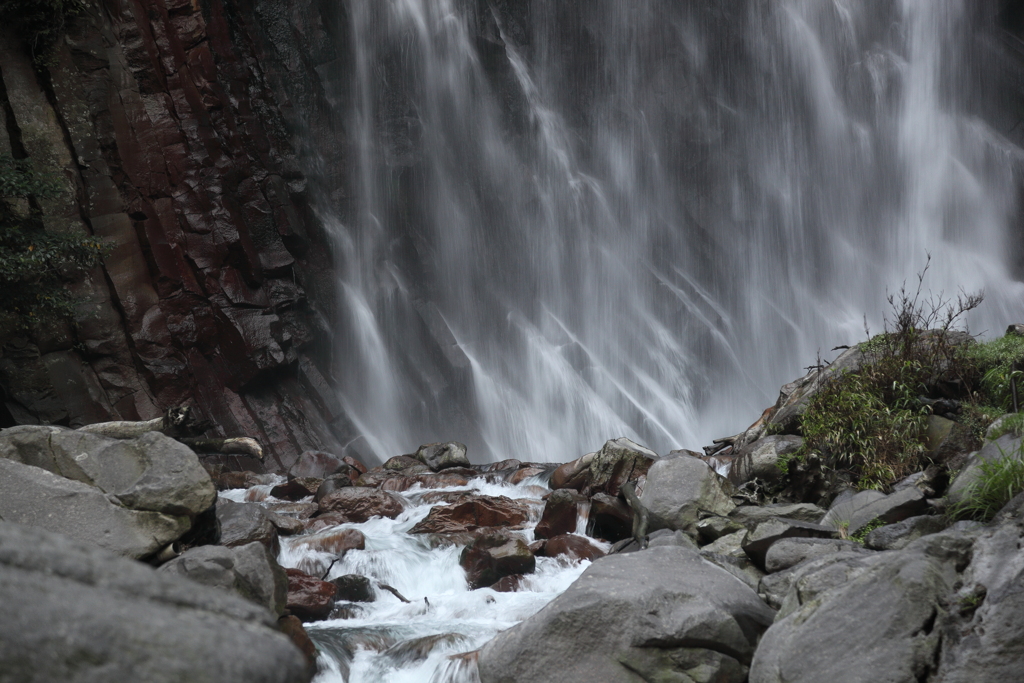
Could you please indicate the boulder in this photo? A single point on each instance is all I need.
(309, 598)
(243, 523)
(560, 512)
(285, 524)
(475, 513)
(405, 464)
(492, 557)
(359, 504)
(730, 545)
(331, 484)
(853, 513)
(317, 464)
(752, 515)
(619, 460)
(321, 522)
(678, 490)
(152, 472)
(572, 475)
(73, 612)
(524, 473)
(901, 534)
(248, 570)
(296, 489)
(354, 588)
(441, 456)
(876, 623)
(334, 541)
(508, 584)
(610, 519)
(760, 459)
(712, 528)
(572, 546)
(36, 497)
(447, 479)
(757, 542)
(664, 614)
(1005, 446)
(790, 552)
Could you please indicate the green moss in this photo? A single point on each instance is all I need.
(863, 532)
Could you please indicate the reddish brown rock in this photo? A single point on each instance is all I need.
(359, 504)
(337, 542)
(325, 521)
(560, 512)
(240, 480)
(333, 483)
(427, 481)
(292, 627)
(510, 464)
(301, 511)
(309, 598)
(610, 518)
(318, 464)
(523, 474)
(491, 558)
(447, 497)
(296, 489)
(572, 475)
(480, 511)
(573, 547)
(508, 584)
(537, 547)
(405, 462)
(354, 464)
(286, 526)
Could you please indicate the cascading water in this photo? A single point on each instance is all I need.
(572, 221)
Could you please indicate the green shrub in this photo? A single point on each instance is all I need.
(1013, 423)
(997, 483)
(35, 264)
(995, 362)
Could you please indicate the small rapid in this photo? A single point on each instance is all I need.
(424, 639)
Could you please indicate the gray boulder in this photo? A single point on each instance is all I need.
(900, 535)
(852, 513)
(790, 552)
(874, 624)
(36, 497)
(242, 523)
(760, 460)
(679, 489)
(248, 570)
(664, 614)
(752, 515)
(152, 472)
(441, 456)
(78, 614)
(757, 542)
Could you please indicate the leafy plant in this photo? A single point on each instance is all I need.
(1012, 423)
(40, 23)
(996, 362)
(35, 264)
(863, 532)
(997, 483)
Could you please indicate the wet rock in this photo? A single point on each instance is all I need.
(572, 475)
(360, 504)
(241, 480)
(73, 612)
(331, 484)
(302, 511)
(441, 456)
(292, 627)
(610, 519)
(317, 465)
(789, 552)
(242, 523)
(560, 512)
(36, 497)
(285, 525)
(447, 479)
(475, 513)
(510, 464)
(489, 559)
(406, 464)
(337, 541)
(760, 459)
(354, 588)
(418, 649)
(619, 460)
(248, 570)
(659, 614)
(152, 472)
(325, 521)
(752, 515)
(680, 489)
(900, 535)
(572, 546)
(757, 542)
(309, 598)
(522, 474)
(508, 584)
(297, 489)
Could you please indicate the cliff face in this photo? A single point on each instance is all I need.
(171, 123)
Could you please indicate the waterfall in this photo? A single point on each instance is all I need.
(572, 221)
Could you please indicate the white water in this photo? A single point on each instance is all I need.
(605, 218)
(380, 642)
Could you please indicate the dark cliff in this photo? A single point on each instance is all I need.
(172, 125)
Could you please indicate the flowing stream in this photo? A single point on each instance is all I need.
(390, 641)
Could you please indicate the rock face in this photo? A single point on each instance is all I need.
(35, 497)
(659, 614)
(679, 489)
(248, 570)
(164, 127)
(73, 612)
(152, 472)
